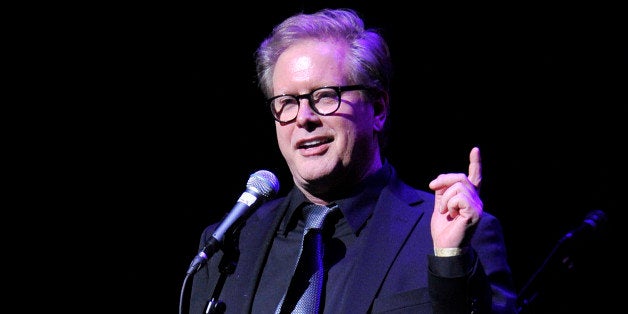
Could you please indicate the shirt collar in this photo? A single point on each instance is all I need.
(357, 207)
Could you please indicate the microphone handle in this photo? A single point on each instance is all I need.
(213, 245)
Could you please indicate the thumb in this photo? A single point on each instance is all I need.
(475, 167)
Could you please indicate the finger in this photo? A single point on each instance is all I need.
(455, 197)
(466, 208)
(475, 167)
(444, 181)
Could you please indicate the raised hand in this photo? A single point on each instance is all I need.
(458, 206)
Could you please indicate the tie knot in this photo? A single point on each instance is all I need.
(314, 215)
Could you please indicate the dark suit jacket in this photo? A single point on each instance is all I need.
(397, 263)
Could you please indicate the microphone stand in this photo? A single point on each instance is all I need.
(559, 256)
(530, 290)
(226, 267)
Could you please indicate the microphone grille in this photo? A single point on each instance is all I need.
(596, 218)
(265, 182)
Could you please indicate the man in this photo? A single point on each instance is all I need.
(389, 247)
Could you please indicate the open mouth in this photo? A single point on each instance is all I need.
(314, 143)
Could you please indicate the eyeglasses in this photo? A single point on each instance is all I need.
(323, 100)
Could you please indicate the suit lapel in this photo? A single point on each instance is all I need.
(259, 237)
(381, 244)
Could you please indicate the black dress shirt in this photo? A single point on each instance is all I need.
(346, 224)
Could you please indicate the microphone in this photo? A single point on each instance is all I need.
(593, 221)
(261, 186)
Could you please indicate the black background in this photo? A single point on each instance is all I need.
(160, 123)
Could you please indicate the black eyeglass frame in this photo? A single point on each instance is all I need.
(308, 96)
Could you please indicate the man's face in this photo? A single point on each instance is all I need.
(331, 149)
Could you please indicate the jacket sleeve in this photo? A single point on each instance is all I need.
(479, 281)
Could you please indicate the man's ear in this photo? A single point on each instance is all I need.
(380, 110)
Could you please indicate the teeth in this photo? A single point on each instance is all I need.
(313, 143)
